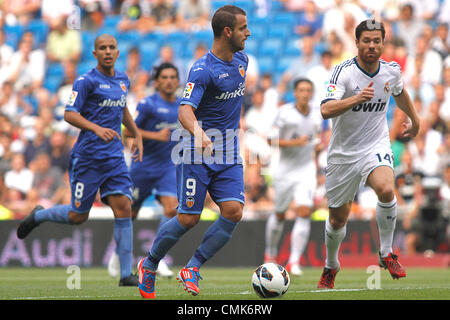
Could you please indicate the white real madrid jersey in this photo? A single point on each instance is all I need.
(360, 129)
(290, 124)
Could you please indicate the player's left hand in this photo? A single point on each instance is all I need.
(137, 148)
(409, 130)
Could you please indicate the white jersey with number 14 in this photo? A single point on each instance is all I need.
(362, 128)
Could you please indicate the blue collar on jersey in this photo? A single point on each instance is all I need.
(364, 71)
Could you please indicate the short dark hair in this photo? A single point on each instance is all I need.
(369, 25)
(165, 65)
(225, 17)
(300, 80)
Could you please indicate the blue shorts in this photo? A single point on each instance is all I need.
(223, 182)
(164, 184)
(87, 176)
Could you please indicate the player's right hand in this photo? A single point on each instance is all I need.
(367, 93)
(164, 135)
(106, 134)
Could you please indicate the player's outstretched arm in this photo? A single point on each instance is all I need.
(77, 120)
(189, 122)
(131, 127)
(405, 104)
(334, 108)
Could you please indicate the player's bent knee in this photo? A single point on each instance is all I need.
(78, 218)
(385, 193)
(188, 221)
(233, 212)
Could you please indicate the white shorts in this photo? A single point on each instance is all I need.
(300, 190)
(342, 181)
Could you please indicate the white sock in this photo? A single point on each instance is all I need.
(386, 214)
(274, 229)
(299, 238)
(333, 240)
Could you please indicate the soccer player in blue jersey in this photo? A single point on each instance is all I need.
(210, 111)
(157, 118)
(98, 107)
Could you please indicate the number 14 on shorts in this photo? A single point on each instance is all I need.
(387, 157)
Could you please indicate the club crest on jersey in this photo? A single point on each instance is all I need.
(190, 202)
(188, 90)
(123, 86)
(77, 203)
(386, 87)
(241, 70)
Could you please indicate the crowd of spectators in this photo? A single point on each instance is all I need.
(35, 142)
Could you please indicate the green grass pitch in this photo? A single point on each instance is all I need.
(222, 284)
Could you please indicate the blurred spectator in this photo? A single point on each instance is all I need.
(6, 52)
(20, 11)
(444, 111)
(409, 28)
(444, 153)
(394, 50)
(60, 150)
(51, 10)
(257, 196)
(309, 21)
(334, 17)
(443, 15)
(444, 191)
(37, 142)
(200, 50)
(48, 180)
(441, 42)
(271, 96)
(424, 149)
(320, 75)
(163, 15)
(19, 177)
(5, 152)
(193, 15)
(338, 51)
(95, 13)
(258, 128)
(425, 62)
(136, 74)
(425, 10)
(425, 225)
(59, 99)
(135, 16)
(27, 66)
(63, 43)
(295, 5)
(408, 184)
(9, 101)
(166, 54)
(300, 66)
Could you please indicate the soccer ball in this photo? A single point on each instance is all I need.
(270, 280)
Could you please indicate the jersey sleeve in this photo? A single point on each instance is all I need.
(336, 86)
(198, 80)
(80, 92)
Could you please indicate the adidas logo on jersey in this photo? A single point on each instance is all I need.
(370, 106)
(122, 102)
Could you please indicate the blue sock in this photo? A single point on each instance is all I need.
(123, 235)
(164, 219)
(168, 234)
(59, 214)
(214, 239)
